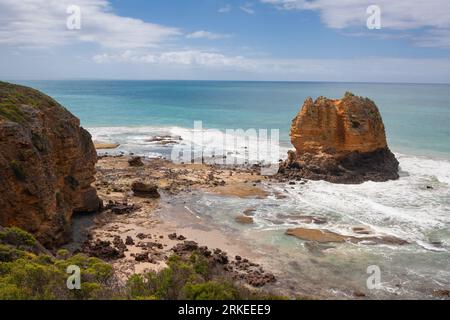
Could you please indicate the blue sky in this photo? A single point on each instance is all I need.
(305, 40)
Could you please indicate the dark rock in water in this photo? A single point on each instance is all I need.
(244, 219)
(340, 141)
(249, 212)
(326, 236)
(145, 190)
(136, 162)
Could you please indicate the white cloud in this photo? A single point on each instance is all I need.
(395, 15)
(207, 35)
(42, 23)
(225, 9)
(186, 57)
(363, 69)
(247, 8)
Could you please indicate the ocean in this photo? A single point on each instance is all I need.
(415, 208)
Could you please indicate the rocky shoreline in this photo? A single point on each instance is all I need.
(129, 234)
(135, 238)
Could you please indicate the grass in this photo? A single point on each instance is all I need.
(13, 97)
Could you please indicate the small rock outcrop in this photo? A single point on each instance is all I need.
(47, 165)
(341, 141)
(145, 190)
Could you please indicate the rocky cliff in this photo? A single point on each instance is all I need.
(47, 165)
(341, 141)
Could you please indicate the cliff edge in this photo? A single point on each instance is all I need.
(47, 165)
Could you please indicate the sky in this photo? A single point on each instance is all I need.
(279, 40)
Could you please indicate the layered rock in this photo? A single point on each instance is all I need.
(47, 165)
(341, 141)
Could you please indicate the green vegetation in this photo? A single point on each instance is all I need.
(12, 97)
(28, 275)
(29, 272)
(16, 237)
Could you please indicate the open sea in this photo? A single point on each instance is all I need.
(415, 208)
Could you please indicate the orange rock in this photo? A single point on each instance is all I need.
(341, 141)
(47, 165)
(338, 126)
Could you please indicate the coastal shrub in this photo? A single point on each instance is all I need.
(28, 276)
(17, 237)
(200, 264)
(167, 284)
(11, 113)
(211, 290)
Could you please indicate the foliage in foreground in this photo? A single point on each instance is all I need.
(27, 272)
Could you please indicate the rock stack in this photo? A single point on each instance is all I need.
(340, 141)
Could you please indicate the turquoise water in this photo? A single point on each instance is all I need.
(415, 208)
(417, 116)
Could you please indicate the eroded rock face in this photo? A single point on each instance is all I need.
(341, 141)
(47, 165)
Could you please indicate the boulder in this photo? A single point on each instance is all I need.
(47, 165)
(135, 162)
(244, 219)
(145, 190)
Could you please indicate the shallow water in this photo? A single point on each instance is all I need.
(415, 208)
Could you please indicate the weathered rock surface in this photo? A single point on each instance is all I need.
(135, 162)
(341, 141)
(244, 219)
(326, 236)
(47, 165)
(145, 190)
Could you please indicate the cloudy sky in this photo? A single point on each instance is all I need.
(305, 40)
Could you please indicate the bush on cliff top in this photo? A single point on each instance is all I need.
(12, 97)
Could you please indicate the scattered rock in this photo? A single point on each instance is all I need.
(135, 162)
(129, 241)
(249, 212)
(173, 236)
(244, 219)
(321, 236)
(362, 230)
(145, 190)
(185, 247)
(326, 236)
(105, 145)
(102, 249)
(121, 208)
